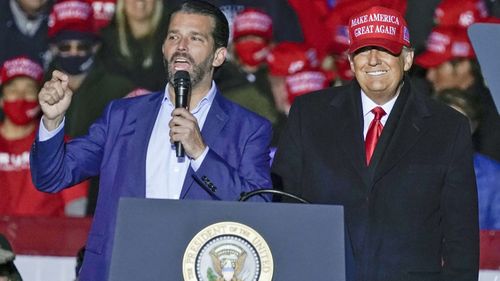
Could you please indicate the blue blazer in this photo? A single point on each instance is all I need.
(115, 148)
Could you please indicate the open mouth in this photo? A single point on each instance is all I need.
(181, 63)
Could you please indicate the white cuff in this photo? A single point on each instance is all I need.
(196, 163)
(44, 134)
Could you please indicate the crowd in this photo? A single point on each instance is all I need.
(278, 51)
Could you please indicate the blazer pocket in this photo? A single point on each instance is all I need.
(95, 243)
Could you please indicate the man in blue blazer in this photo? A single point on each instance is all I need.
(131, 145)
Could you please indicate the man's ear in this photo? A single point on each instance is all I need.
(408, 60)
(351, 62)
(219, 57)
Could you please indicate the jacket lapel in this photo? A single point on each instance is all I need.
(216, 120)
(405, 127)
(142, 123)
(346, 121)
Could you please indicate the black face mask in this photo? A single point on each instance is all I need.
(74, 65)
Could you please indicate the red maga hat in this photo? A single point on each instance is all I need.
(253, 21)
(71, 19)
(289, 57)
(379, 27)
(20, 67)
(444, 44)
(304, 82)
(460, 12)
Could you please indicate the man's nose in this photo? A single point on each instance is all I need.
(183, 44)
(373, 57)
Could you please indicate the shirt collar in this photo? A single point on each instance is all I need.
(368, 104)
(207, 99)
(25, 25)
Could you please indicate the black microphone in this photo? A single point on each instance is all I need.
(182, 87)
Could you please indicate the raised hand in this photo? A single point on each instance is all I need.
(55, 98)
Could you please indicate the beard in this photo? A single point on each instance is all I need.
(199, 71)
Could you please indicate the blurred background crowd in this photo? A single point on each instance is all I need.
(280, 49)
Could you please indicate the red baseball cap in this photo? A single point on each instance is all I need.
(289, 57)
(72, 19)
(460, 12)
(444, 44)
(304, 82)
(20, 66)
(380, 27)
(103, 10)
(253, 21)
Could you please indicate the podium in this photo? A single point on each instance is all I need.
(159, 239)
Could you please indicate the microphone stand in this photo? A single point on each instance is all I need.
(247, 195)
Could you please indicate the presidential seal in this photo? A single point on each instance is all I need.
(227, 251)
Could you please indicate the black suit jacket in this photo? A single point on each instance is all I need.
(410, 215)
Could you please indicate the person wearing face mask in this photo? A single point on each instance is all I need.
(74, 43)
(20, 79)
(244, 78)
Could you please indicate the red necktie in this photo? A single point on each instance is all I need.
(373, 133)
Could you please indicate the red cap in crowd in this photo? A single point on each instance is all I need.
(304, 82)
(444, 44)
(343, 67)
(252, 21)
(71, 19)
(20, 67)
(103, 10)
(460, 12)
(380, 27)
(289, 57)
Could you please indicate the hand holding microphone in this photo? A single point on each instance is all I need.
(182, 87)
(184, 129)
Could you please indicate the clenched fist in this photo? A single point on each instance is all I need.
(54, 99)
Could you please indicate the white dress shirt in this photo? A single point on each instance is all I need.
(368, 116)
(165, 172)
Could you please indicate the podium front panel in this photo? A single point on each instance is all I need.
(152, 236)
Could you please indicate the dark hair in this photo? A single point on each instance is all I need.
(220, 32)
(468, 102)
(475, 68)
